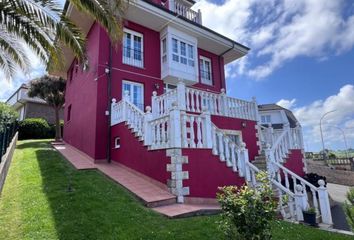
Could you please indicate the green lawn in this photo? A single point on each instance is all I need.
(35, 205)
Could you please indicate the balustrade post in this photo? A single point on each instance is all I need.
(154, 104)
(268, 155)
(271, 134)
(175, 127)
(114, 119)
(207, 131)
(199, 17)
(181, 95)
(324, 203)
(255, 106)
(224, 105)
(147, 126)
(244, 162)
(300, 202)
(290, 140)
(299, 136)
(171, 5)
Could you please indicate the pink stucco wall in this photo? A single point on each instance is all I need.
(81, 95)
(133, 154)
(295, 162)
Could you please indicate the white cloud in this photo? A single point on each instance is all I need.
(279, 31)
(289, 104)
(309, 116)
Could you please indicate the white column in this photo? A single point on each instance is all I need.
(181, 95)
(207, 131)
(155, 107)
(147, 126)
(171, 5)
(255, 106)
(324, 203)
(224, 105)
(175, 128)
(221, 146)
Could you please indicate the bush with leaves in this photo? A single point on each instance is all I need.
(34, 128)
(7, 115)
(349, 208)
(248, 212)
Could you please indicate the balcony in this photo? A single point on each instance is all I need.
(183, 8)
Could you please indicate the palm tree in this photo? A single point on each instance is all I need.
(40, 24)
(52, 90)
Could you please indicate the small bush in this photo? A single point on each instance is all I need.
(248, 212)
(349, 208)
(34, 128)
(7, 115)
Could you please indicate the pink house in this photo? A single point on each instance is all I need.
(157, 103)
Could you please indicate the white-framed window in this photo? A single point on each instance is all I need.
(117, 142)
(182, 52)
(136, 93)
(266, 119)
(234, 135)
(205, 70)
(133, 47)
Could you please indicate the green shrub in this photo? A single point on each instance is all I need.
(34, 128)
(7, 115)
(349, 208)
(248, 212)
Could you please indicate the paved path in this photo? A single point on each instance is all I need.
(338, 192)
(154, 194)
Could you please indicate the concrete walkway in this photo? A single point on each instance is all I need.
(152, 193)
(338, 192)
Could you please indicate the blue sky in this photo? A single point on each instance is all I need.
(301, 57)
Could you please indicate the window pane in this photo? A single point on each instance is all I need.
(183, 49)
(190, 52)
(184, 60)
(175, 58)
(164, 46)
(127, 44)
(137, 48)
(174, 45)
(191, 63)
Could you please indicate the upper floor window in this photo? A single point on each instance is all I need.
(266, 119)
(164, 50)
(205, 70)
(133, 48)
(182, 52)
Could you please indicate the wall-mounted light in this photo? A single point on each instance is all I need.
(156, 86)
(243, 124)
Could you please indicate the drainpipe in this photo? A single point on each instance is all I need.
(221, 67)
(109, 98)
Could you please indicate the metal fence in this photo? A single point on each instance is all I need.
(6, 136)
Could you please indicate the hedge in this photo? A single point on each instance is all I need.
(34, 128)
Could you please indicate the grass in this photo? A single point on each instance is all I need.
(35, 204)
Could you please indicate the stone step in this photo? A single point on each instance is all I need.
(188, 210)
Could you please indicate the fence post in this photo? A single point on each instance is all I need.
(147, 127)
(224, 104)
(207, 131)
(175, 127)
(181, 95)
(324, 203)
(300, 202)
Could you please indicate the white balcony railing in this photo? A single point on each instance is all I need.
(197, 101)
(183, 10)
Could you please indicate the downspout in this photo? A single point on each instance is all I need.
(221, 67)
(109, 98)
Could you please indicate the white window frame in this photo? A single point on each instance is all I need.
(169, 87)
(202, 68)
(266, 118)
(177, 57)
(131, 60)
(117, 142)
(131, 96)
(234, 133)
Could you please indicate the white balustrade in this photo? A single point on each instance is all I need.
(161, 105)
(185, 11)
(160, 132)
